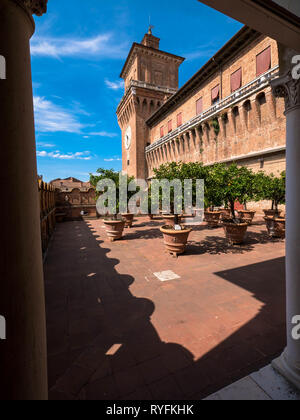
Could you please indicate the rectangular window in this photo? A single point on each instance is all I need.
(215, 95)
(161, 132)
(170, 126)
(179, 119)
(263, 62)
(236, 80)
(199, 106)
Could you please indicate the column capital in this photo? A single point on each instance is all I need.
(35, 7)
(288, 88)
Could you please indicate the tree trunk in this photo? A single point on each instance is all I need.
(176, 219)
(232, 210)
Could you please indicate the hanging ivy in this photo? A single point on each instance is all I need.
(216, 126)
(225, 117)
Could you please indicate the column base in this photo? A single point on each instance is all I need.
(282, 366)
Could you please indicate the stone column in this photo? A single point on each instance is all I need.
(289, 88)
(188, 137)
(169, 154)
(182, 148)
(172, 148)
(23, 367)
(271, 103)
(157, 157)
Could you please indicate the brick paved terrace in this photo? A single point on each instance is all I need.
(115, 331)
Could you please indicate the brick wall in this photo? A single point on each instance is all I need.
(70, 204)
(245, 60)
(250, 131)
(254, 126)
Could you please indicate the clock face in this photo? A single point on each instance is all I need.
(128, 135)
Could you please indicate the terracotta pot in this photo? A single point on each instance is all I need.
(114, 229)
(169, 220)
(247, 216)
(272, 213)
(276, 227)
(187, 216)
(225, 214)
(175, 240)
(128, 218)
(235, 233)
(212, 218)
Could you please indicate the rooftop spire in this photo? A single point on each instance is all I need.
(149, 39)
(150, 29)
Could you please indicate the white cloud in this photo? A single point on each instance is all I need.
(203, 51)
(103, 134)
(115, 85)
(113, 160)
(65, 156)
(101, 46)
(51, 118)
(45, 145)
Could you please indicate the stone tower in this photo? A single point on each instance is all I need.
(151, 77)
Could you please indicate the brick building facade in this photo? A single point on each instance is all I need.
(74, 199)
(225, 113)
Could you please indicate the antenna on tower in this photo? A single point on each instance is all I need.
(150, 26)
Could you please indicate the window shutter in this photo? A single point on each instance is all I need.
(215, 94)
(263, 62)
(161, 131)
(179, 119)
(199, 106)
(169, 126)
(236, 80)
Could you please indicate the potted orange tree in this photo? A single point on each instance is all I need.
(114, 222)
(213, 196)
(274, 189)
(175, 234)
(251, 194)
(169, 172)
(233, 188)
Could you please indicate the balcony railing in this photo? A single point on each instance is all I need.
(137, 84)
(241, 94)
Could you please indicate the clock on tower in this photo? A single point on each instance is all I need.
(128, 135)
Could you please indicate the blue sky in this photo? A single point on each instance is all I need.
(78, 51)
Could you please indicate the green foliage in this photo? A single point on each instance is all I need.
(224, 185)
(181, 171)
(104, 174)
(216, 126)
(115, 177)
(213, 193)
(272, 188)
(236, 184)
